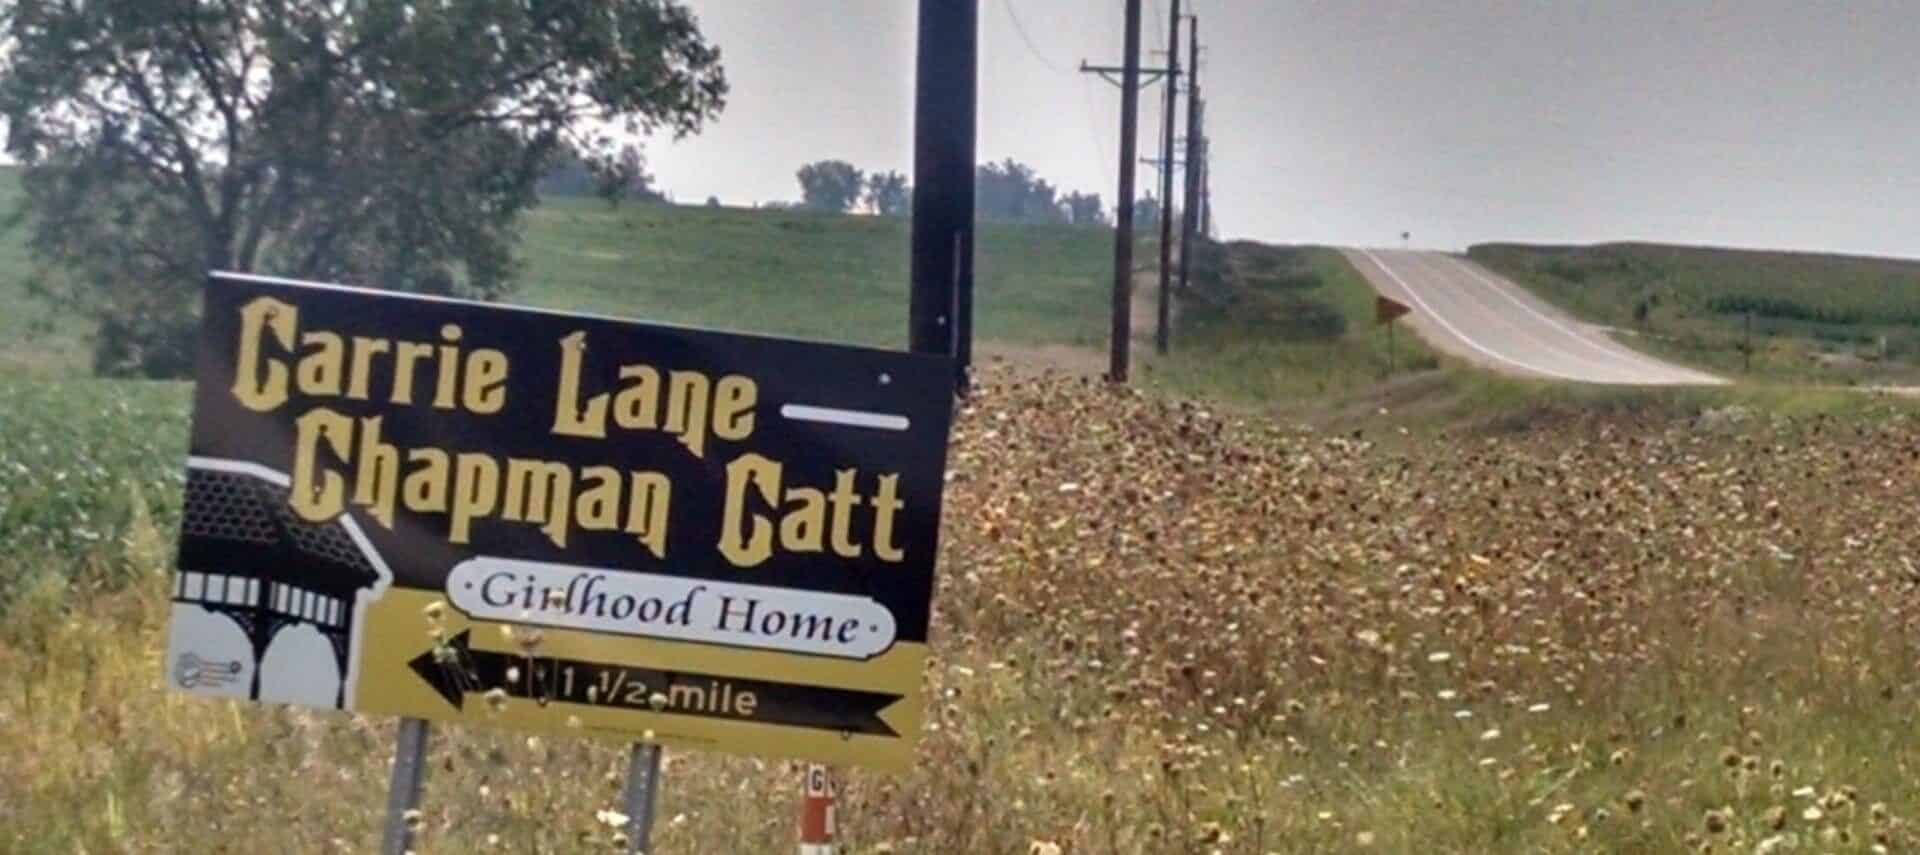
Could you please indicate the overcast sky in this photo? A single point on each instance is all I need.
(1749, 123)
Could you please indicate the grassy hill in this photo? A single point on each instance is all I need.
(1280, 323)
(1815, 318)
(818, 276)
(792, 273)
(1274, 323)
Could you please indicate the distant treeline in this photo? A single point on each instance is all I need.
(623, 177)
(1007, 192)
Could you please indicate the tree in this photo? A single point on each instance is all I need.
(574, 175)
(1010, 192)
(830, 185)
(569, 176)
(1084, 209)
(888, 194)
(1146, 214)
(389, 143)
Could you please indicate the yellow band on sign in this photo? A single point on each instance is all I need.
(701, 708)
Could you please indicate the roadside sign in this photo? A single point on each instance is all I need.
(817, 812)
(448, 510)
(1387, 310)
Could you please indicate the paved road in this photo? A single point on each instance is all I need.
(1463, 309)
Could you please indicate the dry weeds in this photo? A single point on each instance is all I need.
(1161, 629)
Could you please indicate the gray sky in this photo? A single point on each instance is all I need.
(1751, 123)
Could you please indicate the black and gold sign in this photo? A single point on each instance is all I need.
(451, 510)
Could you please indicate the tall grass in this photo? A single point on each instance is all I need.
(1158, 629)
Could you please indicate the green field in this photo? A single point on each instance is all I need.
(818, 276)
(794, 273)
(1255, 334)
(1825, 319)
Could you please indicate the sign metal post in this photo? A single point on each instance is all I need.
(403, 793)
(946, 90)
(1385, 312)
(643, 791)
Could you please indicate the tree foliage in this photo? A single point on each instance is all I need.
(1004, 192)
(1146, 214)
(574, 175)
(830, 185)
(392, 143)
(1084, 209)
(1010, 192)
(888, 194)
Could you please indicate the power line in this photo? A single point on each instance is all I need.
(1099, 148)
(1093, 133)
(1086, 98)
(1031, 47)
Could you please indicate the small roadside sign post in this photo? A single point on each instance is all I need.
(1385, 312)
(452, 511)
(1746, 346)
(817, 812)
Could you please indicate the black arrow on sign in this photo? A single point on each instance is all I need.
(455, 669)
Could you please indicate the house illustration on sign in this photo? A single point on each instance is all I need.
(294, 590)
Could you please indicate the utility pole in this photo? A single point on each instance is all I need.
(940, 310)
(1206, 176)
(1189, 220)
(1122, 329)
(1162, 332)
